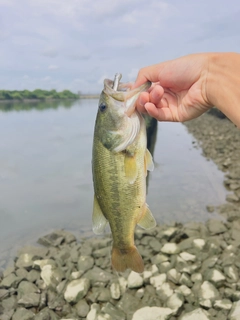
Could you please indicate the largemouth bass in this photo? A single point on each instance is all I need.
(120, 161)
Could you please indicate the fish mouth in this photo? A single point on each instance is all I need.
(125, 94)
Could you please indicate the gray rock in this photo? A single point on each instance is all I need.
(7, 315)
(82, 308)
(153, 313)
(232, 197)
(173, 275)
(39, 264)
(25, 260)
(85, 263)
(187, 256)
(159, 258)
(56, 238)
(97, 275)
(4, 293)
(197, 314)
(158, 280)
(185, 280)
(76, 290)
(10, 281)
(26, 287)
(129, 304)
(23, 314)
(92, 314)
(104, 295)
(155, 244)
(33, 275)
(103, 252)
(216, 226)
(232, 273)
(46, 314)
(9, 303)
(36, 252)
(114, 312)
(29, 300)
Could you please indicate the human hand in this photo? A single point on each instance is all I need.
(179, 90)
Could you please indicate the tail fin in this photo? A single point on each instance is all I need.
(123, 259)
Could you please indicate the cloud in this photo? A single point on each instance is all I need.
(53, 67)
(47, 78)
(50, 52)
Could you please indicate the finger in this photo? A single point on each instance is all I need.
(142, 100)
(150, 73)
(161, 114)
(156, 94)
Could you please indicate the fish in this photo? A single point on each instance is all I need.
(120, 160)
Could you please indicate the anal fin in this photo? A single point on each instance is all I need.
(98, 220)
(147, 220)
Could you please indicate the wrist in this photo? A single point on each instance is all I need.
(223, 84)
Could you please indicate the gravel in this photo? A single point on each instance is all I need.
(191, 271)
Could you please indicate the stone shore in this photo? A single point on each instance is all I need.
(191, 271)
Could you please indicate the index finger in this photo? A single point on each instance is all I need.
(150, 73)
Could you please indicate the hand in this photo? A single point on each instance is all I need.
(179, 90)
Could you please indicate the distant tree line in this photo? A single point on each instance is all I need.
(36, 94)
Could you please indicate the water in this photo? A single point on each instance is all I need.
(45, 172)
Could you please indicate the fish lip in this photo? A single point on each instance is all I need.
(125, 93)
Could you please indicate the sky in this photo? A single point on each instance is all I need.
(76, 44)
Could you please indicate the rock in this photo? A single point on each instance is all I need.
(159, 258)
(25, 260)
(235, 312)
(197, 314)
(153, 313)
(92, 314)
(208, 291)
(23, 314)
(104, 295)
(129, 304)
(76, 290)
(29, 300)
(170, 248)
(85, 263)
(113, 312)
(187, 256)
(103, 252)
(39, 264)
(26, 287)
(33, 275)
(173, 275)
(175, 302)
(36, 252)
(115, 291)
(56, 238)
(199, 243)
(232, 273)
(82, 308)
(224, 304)
(214, 276)
(9, 303)
(51, 275)
(232, 197)
(134, 280)
(158, 280)
(97, 275)
(164, 291)
(10, 281)
(215, 226)
(46, 314)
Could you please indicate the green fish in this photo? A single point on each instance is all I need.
(120, 161)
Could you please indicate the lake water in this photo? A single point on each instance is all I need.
(46, 180)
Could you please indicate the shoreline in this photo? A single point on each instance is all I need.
(191, 270)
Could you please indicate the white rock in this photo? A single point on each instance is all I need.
(206, 304)
(199, 243)
(187, 256)
(208, 291)
(170, 248)
(235, 312)
(173, 275)
(175, 302)
(140, 293)
(215, 276)
(184, 290)
(224, 304)
(197, 314)
(164, 291)
(196, 277)
(115, 290)
(51, 275)
(157, 281)
(92, 314)
(76, 290)
(134, 280)
(152, 313)
(123, 284)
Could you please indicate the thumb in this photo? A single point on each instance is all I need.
(151, 73)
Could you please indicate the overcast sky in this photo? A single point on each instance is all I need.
(75, 44)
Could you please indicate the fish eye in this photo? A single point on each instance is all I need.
(102, 107)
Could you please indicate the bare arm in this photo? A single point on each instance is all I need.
(186, 87)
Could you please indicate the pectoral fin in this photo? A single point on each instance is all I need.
(147, 220)
(149, 165)
(98, 220)
(130, 166)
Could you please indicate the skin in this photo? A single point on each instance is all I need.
(186, 87)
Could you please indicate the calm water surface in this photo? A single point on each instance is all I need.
(45, 172)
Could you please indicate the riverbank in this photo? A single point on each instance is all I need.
(191, 271)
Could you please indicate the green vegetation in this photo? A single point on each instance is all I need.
(36, 94)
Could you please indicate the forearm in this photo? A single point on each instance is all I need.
(223, 84)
